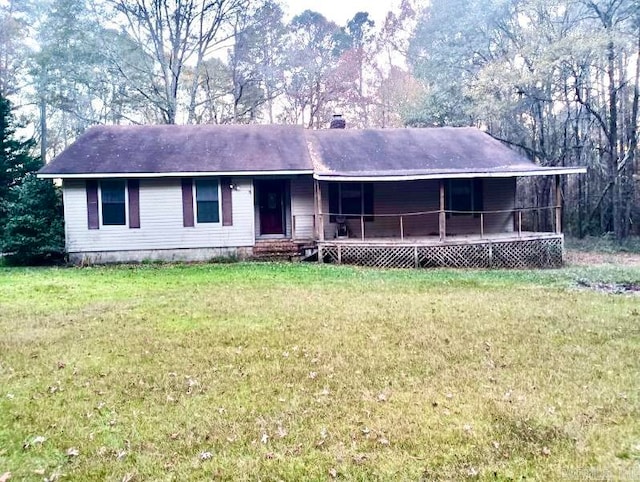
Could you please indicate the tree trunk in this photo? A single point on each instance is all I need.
(614, 178)
(43, 130)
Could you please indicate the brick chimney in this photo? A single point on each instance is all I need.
(337, 122)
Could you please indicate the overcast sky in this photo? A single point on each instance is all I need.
(340, 11)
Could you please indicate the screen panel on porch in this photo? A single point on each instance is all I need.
(351, 200)
(464, 197)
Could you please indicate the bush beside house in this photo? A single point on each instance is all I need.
(31, 216)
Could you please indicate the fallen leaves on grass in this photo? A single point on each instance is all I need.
(205, 455)
(323, 437)
(37, 440)
(191, 385)
(359, 459)
(72, 452)
(405, 388)
(55, 475)
(53, 389)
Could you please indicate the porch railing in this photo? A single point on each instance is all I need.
(443, 217)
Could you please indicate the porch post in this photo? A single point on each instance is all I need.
(318, 210)
(558, 199)
(442, 217)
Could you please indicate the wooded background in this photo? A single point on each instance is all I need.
(556, 79)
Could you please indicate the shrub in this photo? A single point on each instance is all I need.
(34, 233)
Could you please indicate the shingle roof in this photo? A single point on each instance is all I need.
(175, 149)
(381, 152)
(331, 153)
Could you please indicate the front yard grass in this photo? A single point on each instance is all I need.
(309, 372)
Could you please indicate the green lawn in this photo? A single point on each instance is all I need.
(309, 372)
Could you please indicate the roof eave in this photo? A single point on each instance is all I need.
(151, 175)
(449, 175)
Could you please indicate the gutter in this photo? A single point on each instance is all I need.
(552, 171)
(155, 175)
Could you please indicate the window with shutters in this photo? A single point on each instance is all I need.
(207, 201)
(113, 202)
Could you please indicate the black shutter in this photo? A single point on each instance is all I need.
(367, 195)
(334, 201)
(187, 204)
(478, 197)
(93, 218)
(227, 200)
(134, 203)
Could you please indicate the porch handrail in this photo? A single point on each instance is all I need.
(438, 211)
(517, 213)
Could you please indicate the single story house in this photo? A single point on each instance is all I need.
(381, 197)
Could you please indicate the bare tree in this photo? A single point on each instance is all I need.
(314, 78)
(177, 33)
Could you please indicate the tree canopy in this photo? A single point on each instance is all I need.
(556, 79)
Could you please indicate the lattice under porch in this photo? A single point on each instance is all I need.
(529, 250)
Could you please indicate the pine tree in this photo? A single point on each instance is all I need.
(31, 219)
(15, 159)
(34, 233)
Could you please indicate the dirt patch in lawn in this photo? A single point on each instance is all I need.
(588, 258)
(616, 288)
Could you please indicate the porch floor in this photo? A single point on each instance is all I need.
(449, 239)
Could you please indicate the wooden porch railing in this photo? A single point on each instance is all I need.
(443, 216)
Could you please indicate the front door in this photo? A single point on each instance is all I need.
(271, 205)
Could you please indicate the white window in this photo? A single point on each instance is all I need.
(207, 200)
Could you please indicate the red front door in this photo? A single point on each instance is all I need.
(271, 205)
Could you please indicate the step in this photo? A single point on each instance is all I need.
(279, 249)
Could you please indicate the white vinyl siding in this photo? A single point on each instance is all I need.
(161, 221)
(302, 207)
